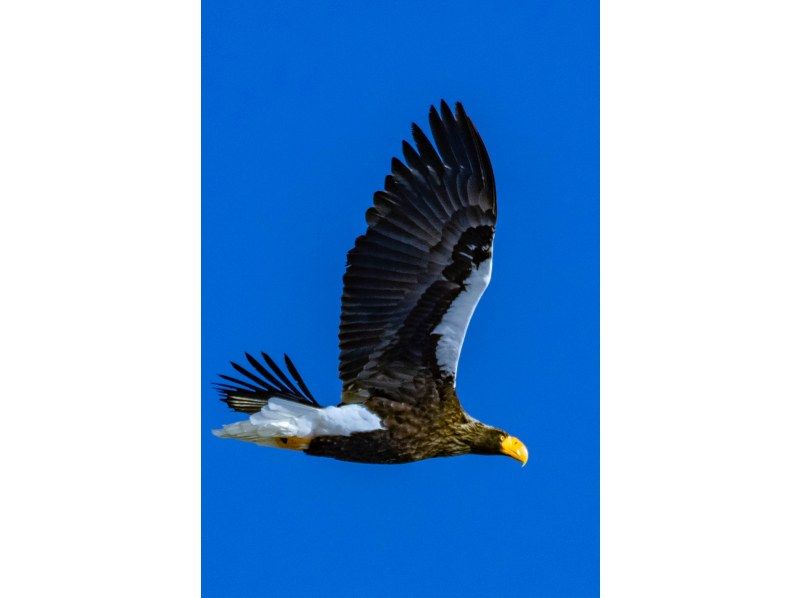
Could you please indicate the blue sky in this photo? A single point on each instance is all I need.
(303, 107)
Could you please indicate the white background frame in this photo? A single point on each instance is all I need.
(99, 341)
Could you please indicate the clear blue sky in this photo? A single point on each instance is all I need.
(303, 108)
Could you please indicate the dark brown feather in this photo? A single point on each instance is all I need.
(427, 232)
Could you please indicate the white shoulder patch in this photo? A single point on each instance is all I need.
(453, 327)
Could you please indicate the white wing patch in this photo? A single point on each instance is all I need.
(280, 418)
(455, 321)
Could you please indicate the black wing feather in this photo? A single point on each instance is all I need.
(250, 397)
(277, 369)
(298, 378)
(263, 371)
(428, 232)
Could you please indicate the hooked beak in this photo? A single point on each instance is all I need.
(514, 448)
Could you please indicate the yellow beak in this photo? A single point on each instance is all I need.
(514, 448)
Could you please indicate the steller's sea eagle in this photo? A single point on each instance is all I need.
(411, 285)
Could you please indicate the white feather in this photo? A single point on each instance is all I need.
(455, 321)
(280, 418)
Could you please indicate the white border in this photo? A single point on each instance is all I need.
(700, 298)
(99, 237)
(99, 324)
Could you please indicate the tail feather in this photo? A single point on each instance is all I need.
(281, 423)
(248, 432)
(249, 396)
(288, 424)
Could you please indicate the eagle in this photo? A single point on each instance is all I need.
(411, 285)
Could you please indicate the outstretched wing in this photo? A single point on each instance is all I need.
(413, 280)
(258, 385)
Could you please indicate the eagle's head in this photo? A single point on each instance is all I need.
(486, 440)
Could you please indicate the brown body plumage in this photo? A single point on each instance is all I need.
(438, 427)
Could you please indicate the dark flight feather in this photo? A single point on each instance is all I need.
(298, 378)
(428, 231)
(250, 397)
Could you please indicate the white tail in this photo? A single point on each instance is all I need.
(280, 420)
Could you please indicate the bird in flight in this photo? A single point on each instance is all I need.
(411, 285)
